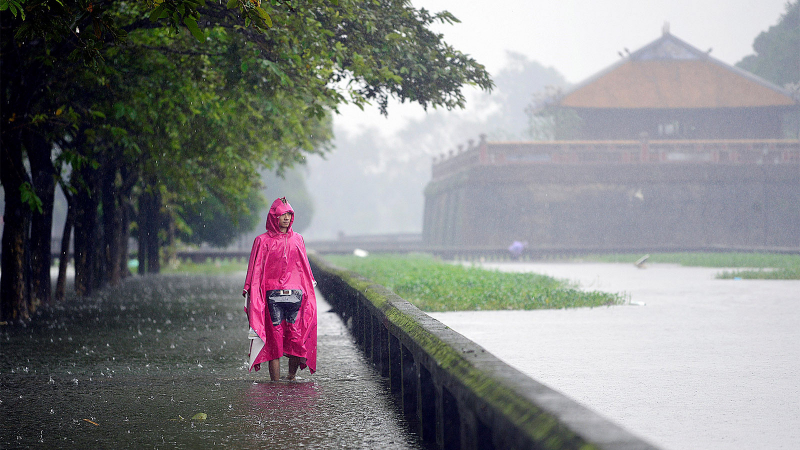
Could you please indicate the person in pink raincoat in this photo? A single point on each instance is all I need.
(281, 305)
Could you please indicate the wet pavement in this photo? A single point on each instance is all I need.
(160, 362)
(699, 363)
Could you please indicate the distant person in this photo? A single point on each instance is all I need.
(281, 306)
(516, 248)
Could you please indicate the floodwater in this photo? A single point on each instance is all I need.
(133, 366)
(693, 363)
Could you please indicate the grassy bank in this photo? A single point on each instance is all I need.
(432, 285)
(744, 265)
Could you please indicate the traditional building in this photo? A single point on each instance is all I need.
(675, 150)
(671, 90)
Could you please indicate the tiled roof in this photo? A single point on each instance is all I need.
(669, 73)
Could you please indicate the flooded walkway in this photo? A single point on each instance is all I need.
(703, 364)
(160, 362)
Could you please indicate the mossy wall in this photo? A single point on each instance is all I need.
(616, 206)
(453, 392)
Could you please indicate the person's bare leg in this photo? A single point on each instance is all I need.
(275, 369)
(294, 363)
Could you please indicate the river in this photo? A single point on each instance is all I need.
(693, 362)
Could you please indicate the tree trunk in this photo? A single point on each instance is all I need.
(14, 294)
(39, 155)
(126, 212)
(126, 215)
(112, 225)
(14, 298)
(170, 256)
(86, 243)
(82, 255)
(63, 261)
(154, 246)
(141, 238)
(99, 267)
(149, 211)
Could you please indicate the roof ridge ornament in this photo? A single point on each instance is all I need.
(665, 29)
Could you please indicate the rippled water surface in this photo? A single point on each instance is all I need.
(133, 365)
(693, 363)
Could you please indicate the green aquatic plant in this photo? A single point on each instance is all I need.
(768, 266)
(784, 273)
(433, 285)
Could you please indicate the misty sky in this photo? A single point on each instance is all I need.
(580, 38)
(384, 163)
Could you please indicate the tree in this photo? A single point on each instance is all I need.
(777, 56)
(288, 67)
(210, 222)
(548, 123)
(380, 181)
(777, 59)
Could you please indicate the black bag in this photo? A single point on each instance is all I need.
(284, 304)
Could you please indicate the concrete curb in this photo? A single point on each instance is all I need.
(452, 391)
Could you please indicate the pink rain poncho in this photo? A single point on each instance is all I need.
(278, 261)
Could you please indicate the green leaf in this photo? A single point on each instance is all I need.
(200, 416)
(21, 10)
(232, 4)
(14, 6)
(29, 196)
(191, 24)
(156, 14)
(264, 16)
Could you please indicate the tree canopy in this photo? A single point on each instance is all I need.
(146, 110)
(777, 50)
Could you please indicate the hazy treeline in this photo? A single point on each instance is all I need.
(379, 181)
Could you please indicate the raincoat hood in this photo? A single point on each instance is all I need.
(279, 207)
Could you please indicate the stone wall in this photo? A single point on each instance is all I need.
(454, 393)
(616, 205)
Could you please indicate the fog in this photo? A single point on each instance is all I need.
(373, 182)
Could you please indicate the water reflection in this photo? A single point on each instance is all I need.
(140, 360)
(287, 397)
